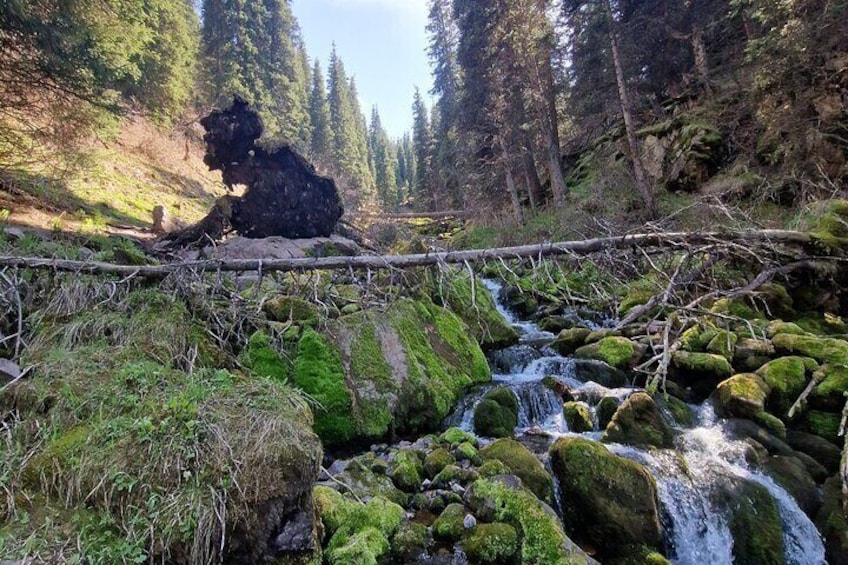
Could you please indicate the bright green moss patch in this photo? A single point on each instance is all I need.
(262, 359)
(822, 349)
(449, 525)
(318, 371)
(522, 463)
(568, 341)
(702, 363)
(824, 424)
(332, 508)
(755, 526)
(541, 534)
(491, 543)
(496, 415)
(786, 379)
(638, 422)
(577, 417)
(292, 309)
(406, 470)
(456, 436)
(437, 460)
(742, 396)
(724, 344)
(637, 294)
(696, 339)
(614, 351)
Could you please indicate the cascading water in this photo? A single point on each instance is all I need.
(689, 480)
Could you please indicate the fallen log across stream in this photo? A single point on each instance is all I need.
(377, 262)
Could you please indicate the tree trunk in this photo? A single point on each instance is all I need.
(550, 128)
(512, 188)
(699, 52)
(642, 185)
(531, 174)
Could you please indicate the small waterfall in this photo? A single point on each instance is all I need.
(539, 406)
(689, 484)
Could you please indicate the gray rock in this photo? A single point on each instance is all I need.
(9, 370)
(296, 536)
(469, 522)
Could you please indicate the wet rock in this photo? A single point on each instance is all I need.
(832, 522)
(296, 536)
(555, 324)
(749, 429)
(792, 475)
(605, 410)
(615, 351)
(755, 525)
(491, 543)
(639, 422)
(496, 415)
(701, 372)
(436, 461)
(607, 501)
(568, 341)
(599, 372)
(741, 396)
(577, 417)
(816, 447)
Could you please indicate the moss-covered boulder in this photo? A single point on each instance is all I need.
(607, 501)
(403, 369)
(476, 307)
(638, 421)
(359, 478)
(741, 396)
(556, 324)
(409, 541)
(700, 371)
(827, 223)
(406, 470)
(453, 437)
(577, 417)
(292, 309)
(437, 460)
(605, 410)
(541, 536)
(791, 473)
(755, 526)
(332, 508)
(829, 393)
(751, 354)
(786, 379)
(496, 415)
(615, 351)
(364, 536)
(453, 474)
(823, 424)
(696, 338)
(817, 447)
(449, 526)
(724, 344)
(832, 522)
(568, 341)
(522, 463)
(491, 543)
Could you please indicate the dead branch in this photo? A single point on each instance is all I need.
(377, 262)
(797, 405)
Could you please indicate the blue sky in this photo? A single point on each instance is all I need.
(381, 42)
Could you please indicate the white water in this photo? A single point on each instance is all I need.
(689, 480)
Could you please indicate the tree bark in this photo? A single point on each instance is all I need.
(772, 238)
(642, 184)
(699, 52)
(531, 174)
(512, 188)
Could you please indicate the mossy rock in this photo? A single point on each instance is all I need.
(454, 474)
(777, 327)
(477, 309)
(292, 309)
(449, 525)
(577, 417)
(363, 482)
(455, 436)
(827, 223)
(522, 463)
(679, 410)
(696, 339)
(829, 394)
(605, 410)
(466, 451)
(822, 349)
(700, 371)
(735, 307)
(614, 351)
(791, 474)
(607, 501)
(724, 344)
(542, 539)
(402, 370)
(406, 470)
(409, 541)
(332, 508)
(364, 537)
(755, 526)
(568, 341)
(817, 447)
(491, 543)
(823, 424)
(555, 324)
(786, 379)
(638, 421)
(496, 415)
(638, 293)
(832, 522)
(492, 468)
(437, 460)
(741, 396)
(751, 354)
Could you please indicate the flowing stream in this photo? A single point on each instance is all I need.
(692, 480)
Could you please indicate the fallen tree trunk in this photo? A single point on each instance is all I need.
(377, 262)
(421, 215)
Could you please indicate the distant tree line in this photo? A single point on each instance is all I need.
(519, 83)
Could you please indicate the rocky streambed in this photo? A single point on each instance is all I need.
(560, 459)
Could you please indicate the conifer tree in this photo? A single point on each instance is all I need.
(321, 143)
(384, 158)
(422, 143)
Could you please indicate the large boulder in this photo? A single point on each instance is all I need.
(786, 379)
(607, 501)
(284, 195)
(522, 463)
(741, 396)
(755, 525)
(496, 415)
(402, 369)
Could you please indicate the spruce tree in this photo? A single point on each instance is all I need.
(422, 142)
(384, 158)
(321, 143)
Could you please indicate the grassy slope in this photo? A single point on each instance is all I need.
(113, 183)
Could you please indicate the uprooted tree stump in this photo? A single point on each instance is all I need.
(284, 197)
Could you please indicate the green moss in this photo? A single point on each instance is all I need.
(522, 463)
(455, 436)
(359, 477)
(492, 468)
(679, 410)
(827, 223)
(734, 307)
(568, 341)
(742, 396)
(466, 452)
(822, 349)
(363, 537)
(637, 294)
(773, 424)
(370, 371)
(724, 344)
(453, 474)
(262, 359)
(405, 470)
(292, 309)
(476, 309)
(364, 547)
(830, 392)
(823, 424)
(449, 525)
(332, 508)
(319, 372)
(696, 339)
(606, 410)
(614, 351)
(786, 379)
(437, 460)
(704, 363)
(638, 422)
(542, 537)
(577, 417)
(496, 415)
(409, 541)
(491, 543)
(755, 526)
(608, 501)
(780, 327)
